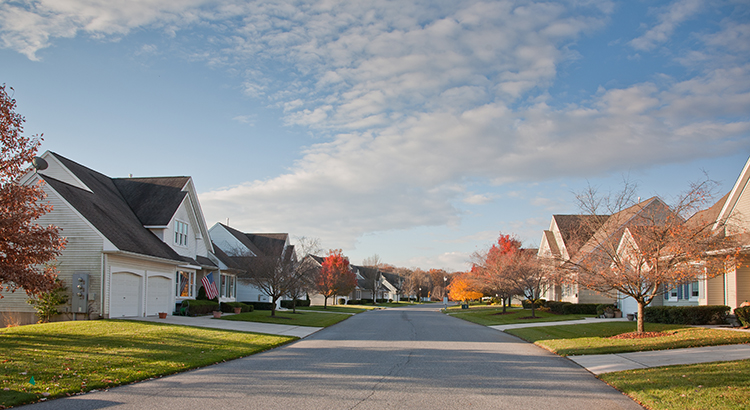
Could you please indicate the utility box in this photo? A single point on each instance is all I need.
(80, 286)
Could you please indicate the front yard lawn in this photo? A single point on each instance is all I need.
(716, 386)
(595, 338)
(489, 316)
(337, 308)
(301, 318)
(65, 358)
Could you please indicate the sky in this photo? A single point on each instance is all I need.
(414, 130)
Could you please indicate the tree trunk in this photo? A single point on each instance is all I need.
(325, 302)
(640, 327)
(294, 305)
(503, 298)
(533, 308)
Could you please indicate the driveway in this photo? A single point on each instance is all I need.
(403, 358)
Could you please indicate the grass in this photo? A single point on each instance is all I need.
(301, 318)
(716, 386)
(594, 338)
(492, 315)
(338, 308)
(65, 358)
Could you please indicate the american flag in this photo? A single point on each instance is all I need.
(210, 286)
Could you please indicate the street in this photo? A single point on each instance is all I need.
(412, 357)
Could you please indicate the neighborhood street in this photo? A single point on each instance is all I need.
(412, 357)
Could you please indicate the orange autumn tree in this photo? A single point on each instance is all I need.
(335, 277)
(463, 288)
(25, 246)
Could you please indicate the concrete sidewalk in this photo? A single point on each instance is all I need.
(605, 363)
(210, 322)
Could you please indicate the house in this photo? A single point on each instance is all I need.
(248, 248)
(136, 246)
(731, 219)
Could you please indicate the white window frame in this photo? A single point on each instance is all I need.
(181, 230)
(190, 285)
(228, 287)
(695, 291)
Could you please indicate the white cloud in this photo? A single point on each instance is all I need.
(671, 17)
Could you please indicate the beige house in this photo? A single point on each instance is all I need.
(136, 246)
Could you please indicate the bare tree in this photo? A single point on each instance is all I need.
(529, 275)
(644, 248)
(304, 270)
(372, 261)
(273, 272)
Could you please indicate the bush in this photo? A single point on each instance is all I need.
(579, 309)
(604, 308)
(287, 304)
(743, 315)
(46, 304)
(527, 303)
(260, 305)
(228, 307)
(556, 307)
(202, 307)
(202, 295)
(686, 315)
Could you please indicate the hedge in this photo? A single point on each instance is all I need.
(686, 315)
(202, 307)
(287, 304)
(567, 308)
(364, 301)
(260, 305)
(527, 303)
(228, 307)
(743, 315)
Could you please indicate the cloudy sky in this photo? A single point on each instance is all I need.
(415, 130)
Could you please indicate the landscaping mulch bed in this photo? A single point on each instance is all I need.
(644, 335)
(503, 313)
(529, 317)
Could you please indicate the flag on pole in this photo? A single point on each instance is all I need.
(210, 286)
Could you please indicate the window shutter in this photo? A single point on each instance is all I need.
(679, 292)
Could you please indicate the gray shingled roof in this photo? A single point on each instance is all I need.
(108, 211)
(153, 200)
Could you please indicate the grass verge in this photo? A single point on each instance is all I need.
(595, 338)
(66, 358)
(301, 318)
(716, 386)
(337, 308)
(490, 316)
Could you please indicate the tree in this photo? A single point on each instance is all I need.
(643, 249)
(375, 277)
(25, 246)
(493, 267)
(418, 283)
(335, 277)
(463, 288)
(372, 261)
(303, 280)
(529, 275)
(272, 272)
(439, 279)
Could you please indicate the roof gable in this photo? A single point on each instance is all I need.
(153, 200)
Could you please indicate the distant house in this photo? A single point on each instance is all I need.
(238, 246)
(137, 246)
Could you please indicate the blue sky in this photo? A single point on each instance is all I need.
(415, 130)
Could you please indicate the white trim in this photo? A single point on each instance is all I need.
(734, 196)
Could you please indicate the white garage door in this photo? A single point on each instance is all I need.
(125, 295)
(159, 295)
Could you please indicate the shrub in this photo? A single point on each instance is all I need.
(579, 309)
(202, 295)
(260, 305)
(202, 307)
(743, 315)
(287, 304)
(527, 303)
(46, 304)
(556, 307)
(250, 308)
(228, 307)
(604, 308)
(686, 315)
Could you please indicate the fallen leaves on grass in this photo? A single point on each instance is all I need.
(644, 335)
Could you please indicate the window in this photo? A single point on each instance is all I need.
(227, 286)
(694, 290)
(185, 283)
(180, 233)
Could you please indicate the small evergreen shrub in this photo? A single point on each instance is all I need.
(556, 307)
(260, 305)
(527, 303)
(287, 304)
(743, 315)
(228, 307)
(250, 308)
(579, 309)
(202, 307)
(686, 315)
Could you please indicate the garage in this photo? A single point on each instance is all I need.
(126, 291)
(159, 295)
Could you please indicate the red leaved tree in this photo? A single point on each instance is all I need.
(335, 277)
(492, 268)
(25, 246)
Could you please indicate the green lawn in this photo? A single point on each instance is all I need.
(338, 308)
(70, 357)
(492, 315)
(594, 338)
(301, 318)
(716, 386)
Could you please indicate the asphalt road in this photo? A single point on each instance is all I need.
(406, 358)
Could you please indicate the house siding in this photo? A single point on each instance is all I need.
(743, 285)
(82, 254)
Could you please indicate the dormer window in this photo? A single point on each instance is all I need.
(180, 233)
